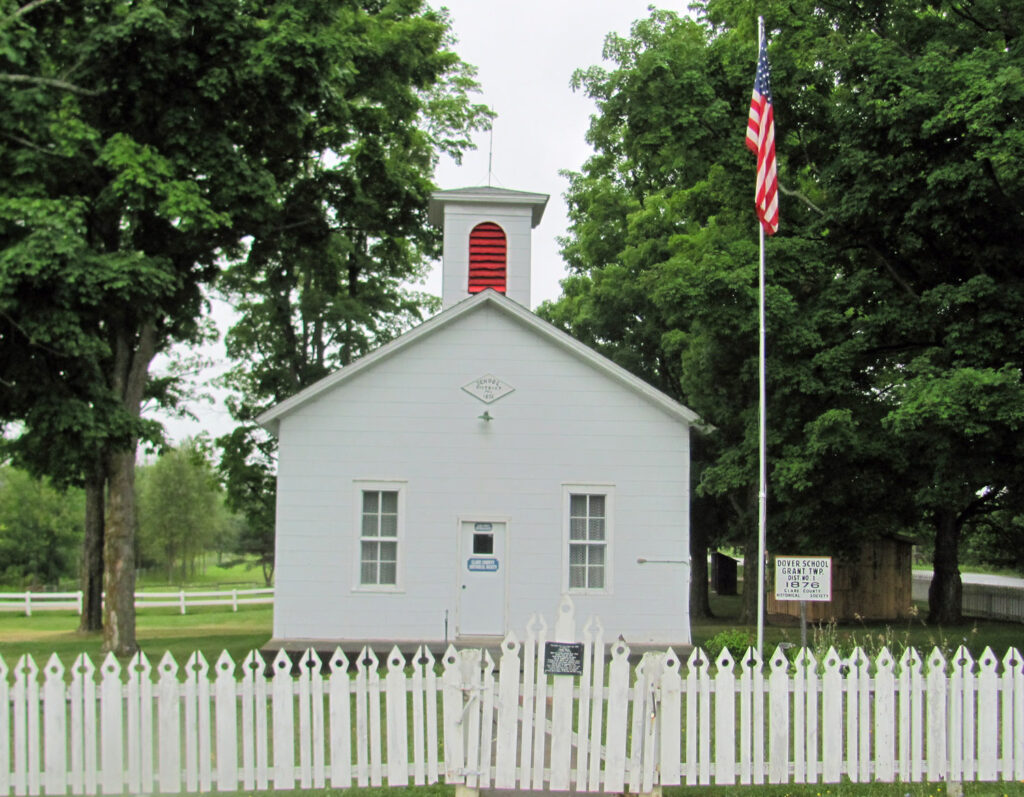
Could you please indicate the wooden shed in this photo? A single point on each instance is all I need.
(876, 585)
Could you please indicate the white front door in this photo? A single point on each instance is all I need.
(482, 578)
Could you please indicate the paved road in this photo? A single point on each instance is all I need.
(979, 578)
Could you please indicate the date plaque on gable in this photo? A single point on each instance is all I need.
(488, 388)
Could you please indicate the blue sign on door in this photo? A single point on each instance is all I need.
(482, 564)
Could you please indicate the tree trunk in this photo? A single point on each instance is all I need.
(749, 515)
(133, 351)
(92, 551)
(119, 557)
(945, 592)
(700, 604)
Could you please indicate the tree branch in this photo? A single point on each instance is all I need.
(802, 198)
(47, 81)
(22, 11)
(26, 143)
(892, 272)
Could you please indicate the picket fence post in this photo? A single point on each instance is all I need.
(561, 703)
(937, 750)
(1013, 715)
(593, 781)
(618, 702)
(508, 713)
(885, 718)
(169, 723)
(987, 716)
(671, 720)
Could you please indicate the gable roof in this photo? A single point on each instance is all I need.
(271, 418)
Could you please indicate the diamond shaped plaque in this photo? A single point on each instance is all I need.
(488, 388)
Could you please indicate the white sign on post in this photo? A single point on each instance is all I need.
(803, 578)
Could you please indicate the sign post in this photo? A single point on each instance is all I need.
(803, 578)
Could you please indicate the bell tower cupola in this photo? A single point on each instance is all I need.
(487, 235)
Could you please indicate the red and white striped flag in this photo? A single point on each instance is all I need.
(761, 140)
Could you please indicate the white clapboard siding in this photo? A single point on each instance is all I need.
(620, 725)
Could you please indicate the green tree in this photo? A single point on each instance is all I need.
(181, 510)
(147, 143)
(40, 530)
(663, 250)
(917, 145)
(894, 293)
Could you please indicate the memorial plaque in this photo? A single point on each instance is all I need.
(563, 658)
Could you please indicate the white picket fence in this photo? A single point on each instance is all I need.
(505, 723)
(28, 602)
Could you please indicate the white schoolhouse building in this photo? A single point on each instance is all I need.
(472, 471)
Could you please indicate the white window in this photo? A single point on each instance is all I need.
(380, 535)
(588, 538)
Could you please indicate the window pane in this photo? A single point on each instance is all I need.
(389, 525)
(577, 577)
(596, 506)
(388, 552)
(483, 543)
(577, 554)
(596, 526)
(370, 502)
(596, 554)
(368, 567)
(370, 526)
(388, 572)
(596, 578)
(389, 502)
(577, 505)
(577, 529)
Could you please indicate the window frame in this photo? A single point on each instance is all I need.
(607, 491)
(360, 488)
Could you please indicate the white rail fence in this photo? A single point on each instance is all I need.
(505, 723)
(28, 602)
(996, 602)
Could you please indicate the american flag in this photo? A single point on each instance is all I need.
(761, 140)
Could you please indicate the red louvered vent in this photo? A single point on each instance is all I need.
(487, 258)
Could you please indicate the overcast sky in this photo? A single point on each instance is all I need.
(525, 52)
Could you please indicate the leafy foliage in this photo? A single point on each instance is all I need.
(40, 530)
(145, 142)
(894, 291)
(181, 510)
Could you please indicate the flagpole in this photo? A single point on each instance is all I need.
(762, 493)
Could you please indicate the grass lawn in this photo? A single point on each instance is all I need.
(213, 629)
(975, 634)
(233, 572)
(206, 629)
